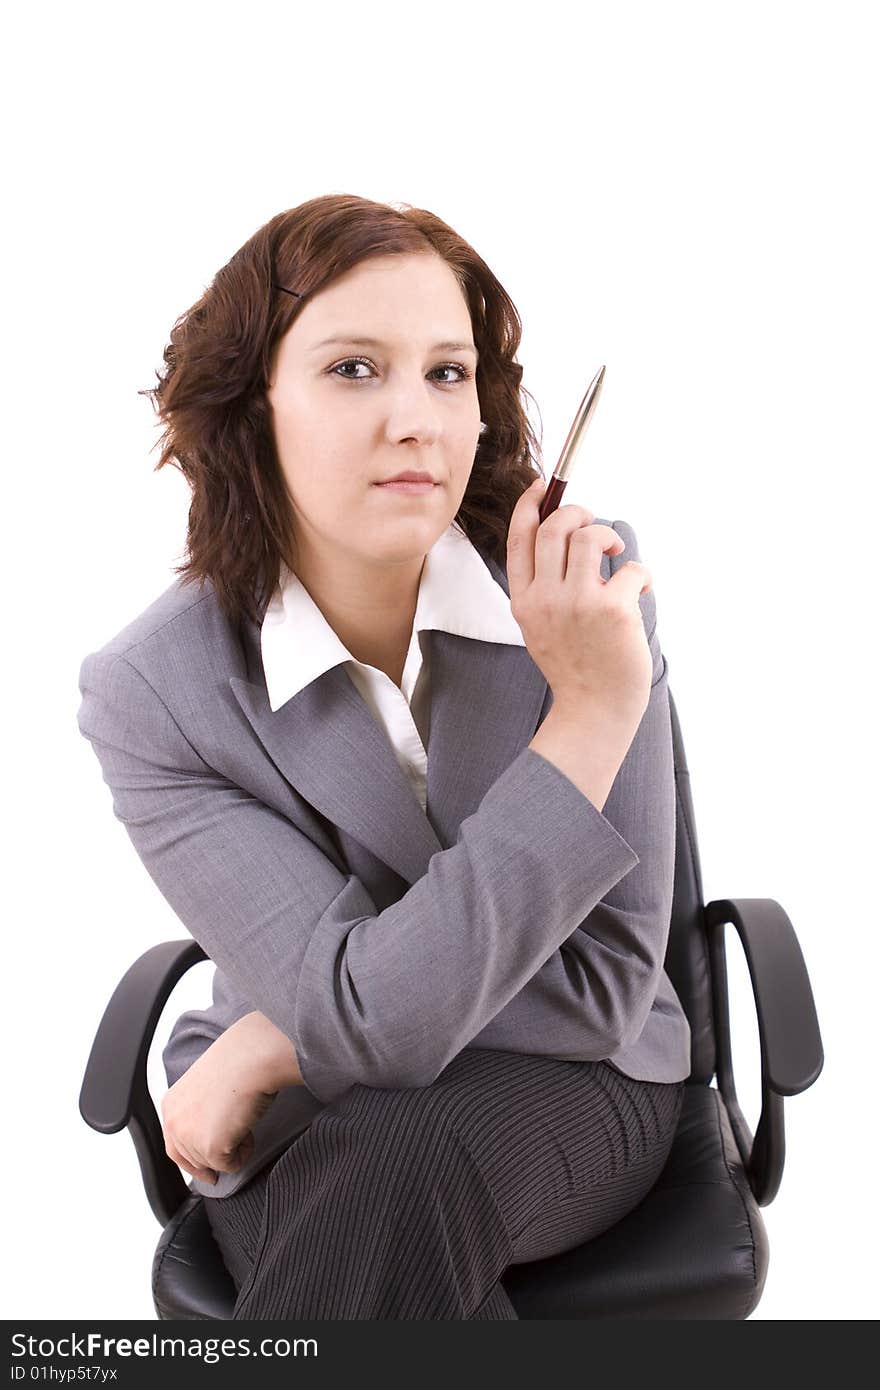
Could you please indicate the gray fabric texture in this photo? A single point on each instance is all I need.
(382, 938)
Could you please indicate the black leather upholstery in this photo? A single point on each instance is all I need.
(696, 1247)
(190, 1280)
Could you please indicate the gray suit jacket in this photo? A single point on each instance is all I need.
(382, 939)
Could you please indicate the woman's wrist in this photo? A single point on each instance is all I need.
(267, 1055)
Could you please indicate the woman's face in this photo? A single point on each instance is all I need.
(342, 425)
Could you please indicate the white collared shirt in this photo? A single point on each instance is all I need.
(457, 593)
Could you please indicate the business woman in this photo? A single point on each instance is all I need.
(400, 759)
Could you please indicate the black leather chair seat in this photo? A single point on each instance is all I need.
(190, 1280)
(696, 1247)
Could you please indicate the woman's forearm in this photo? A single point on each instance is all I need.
(267, 1054)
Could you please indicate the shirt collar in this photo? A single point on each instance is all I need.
(457, 593)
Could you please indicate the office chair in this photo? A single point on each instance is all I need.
(694, 1247)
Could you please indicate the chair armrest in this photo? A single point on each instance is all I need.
(791, 1046)
(114, 1091)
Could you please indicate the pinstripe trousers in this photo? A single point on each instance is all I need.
(410, 1203)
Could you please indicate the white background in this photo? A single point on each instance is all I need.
(685, 192)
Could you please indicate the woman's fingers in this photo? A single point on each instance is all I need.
(553, 556)
(586, 546)
(195, 1164)
(525, 521)
(244, 1150)
(185, 1160)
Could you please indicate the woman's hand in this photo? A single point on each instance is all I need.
(586, 634)
(208, 1115)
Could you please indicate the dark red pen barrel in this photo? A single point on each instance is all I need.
(552, 497)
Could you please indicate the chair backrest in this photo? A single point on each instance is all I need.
(687, 954)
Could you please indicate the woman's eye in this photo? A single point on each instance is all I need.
(464, 373)
(349, 362)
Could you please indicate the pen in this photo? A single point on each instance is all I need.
(562, 473)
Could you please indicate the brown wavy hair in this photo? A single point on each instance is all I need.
(211, 397)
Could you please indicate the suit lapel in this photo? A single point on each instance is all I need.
(485, 705)
(486, 702)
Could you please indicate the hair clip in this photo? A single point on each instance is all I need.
(286, 291)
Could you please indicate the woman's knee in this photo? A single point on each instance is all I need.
(401, 1131)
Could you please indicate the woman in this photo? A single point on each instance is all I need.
(418, 807)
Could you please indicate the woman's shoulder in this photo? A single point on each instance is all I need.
(181, 604)
(182, 635)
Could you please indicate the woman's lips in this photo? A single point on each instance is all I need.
(414, 488)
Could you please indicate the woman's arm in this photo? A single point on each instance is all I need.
(374, 997)
(552, 1015)
(387, 997)
(268, 1055)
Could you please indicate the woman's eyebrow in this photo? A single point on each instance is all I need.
(377, 342)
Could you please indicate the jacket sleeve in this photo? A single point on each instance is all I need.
(379, 998)
(553, 1013)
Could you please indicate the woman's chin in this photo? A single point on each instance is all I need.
(402, 542)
